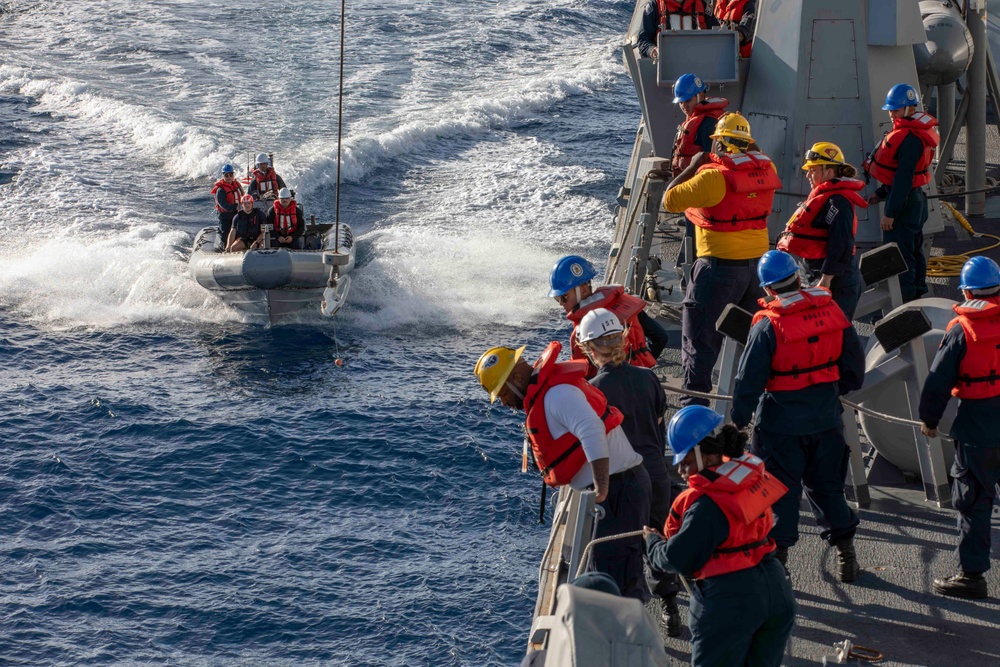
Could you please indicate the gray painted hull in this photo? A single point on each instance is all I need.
(273, 282)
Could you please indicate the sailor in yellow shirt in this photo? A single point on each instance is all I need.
(727, 196)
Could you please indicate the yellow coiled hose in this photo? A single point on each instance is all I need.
(950, 266)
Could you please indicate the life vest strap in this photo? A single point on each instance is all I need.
(743, 547)
(735, 221)
(992, 378)
(559, 459)
(804, 371)
(808, 236)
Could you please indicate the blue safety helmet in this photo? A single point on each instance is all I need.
(687, 86)
(775, 266)
(899, 96)
(688, 427)
(569, 272)
(979, 273)
(228, 169)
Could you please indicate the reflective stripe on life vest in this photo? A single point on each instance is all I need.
(884, 160)
(232, 189)
(979, 369)
(750, 185)
(266, 181)
(685, 147)
(286, 219)
(627, 307)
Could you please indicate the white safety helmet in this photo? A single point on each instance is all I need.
(263, 159)
(284, 193)
(597, 323)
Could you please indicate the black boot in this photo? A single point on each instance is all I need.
(848, 559)
(781, 555)
(671, 619)
(963, 585)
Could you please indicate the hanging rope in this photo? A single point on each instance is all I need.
(340, 107)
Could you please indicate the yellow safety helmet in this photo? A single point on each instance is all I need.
(733, 126)
(823, 154)
(494, 367)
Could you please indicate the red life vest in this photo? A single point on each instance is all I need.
(745, 492)
(559, 459)
(286, 219)
(627, 308)
(731, 11)
(695, 8)
(266, 181)
(750, 185)
(979, 369)
(800, 237)
(685, 147)
(233, 192)
(808, 325)
(884, 160)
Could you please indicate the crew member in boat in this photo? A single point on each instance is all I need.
(265, 181)
(742, 608)
(246, 233)
(639, 396)
(227, 192)
(577, 440)
(801, 356)
(821, 231)
(741, 16)
(663, 15)
(902, 164)
(967, 365)
(727, 195)
(287, 221)
(570, 285)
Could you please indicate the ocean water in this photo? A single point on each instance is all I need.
(182, 485)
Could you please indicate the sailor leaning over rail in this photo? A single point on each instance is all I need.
(967, 365)
(902, 164)
(742, 609)
(639, 396)
(577, 439)
(822, 229)
(570, 285)
(801, 356)
(727, 195)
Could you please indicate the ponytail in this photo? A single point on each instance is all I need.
(729, 441)
(847, 171)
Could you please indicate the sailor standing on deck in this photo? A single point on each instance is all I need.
(742, 608)
(701, 113)
(577, 439)
(902, 164)
(570, 286)
(967, 365)
(801, 356)
(727, 194)
(822, 229)
(636, 393)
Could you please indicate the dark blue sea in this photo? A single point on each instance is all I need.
(183, 485)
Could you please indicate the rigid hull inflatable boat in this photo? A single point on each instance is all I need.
(278, 282)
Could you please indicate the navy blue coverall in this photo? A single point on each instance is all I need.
(226, 213)
(976, 432)
(739, 619)
(704, 140)
(907, 206)
(837, 217)
(799, 435)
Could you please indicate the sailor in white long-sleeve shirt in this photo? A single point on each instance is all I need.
(577, 440)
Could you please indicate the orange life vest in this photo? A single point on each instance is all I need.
(266, 181)
(286, 219)
(559, 459)
(694, 8)
(979, 369)
(627, 308)
(745, 492)
(800, 238)
(750, 185)
(233, 192)
(808, 325)
(731, 11)
(685, 147)
(884, 160)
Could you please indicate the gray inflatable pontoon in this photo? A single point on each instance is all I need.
(277, 282)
